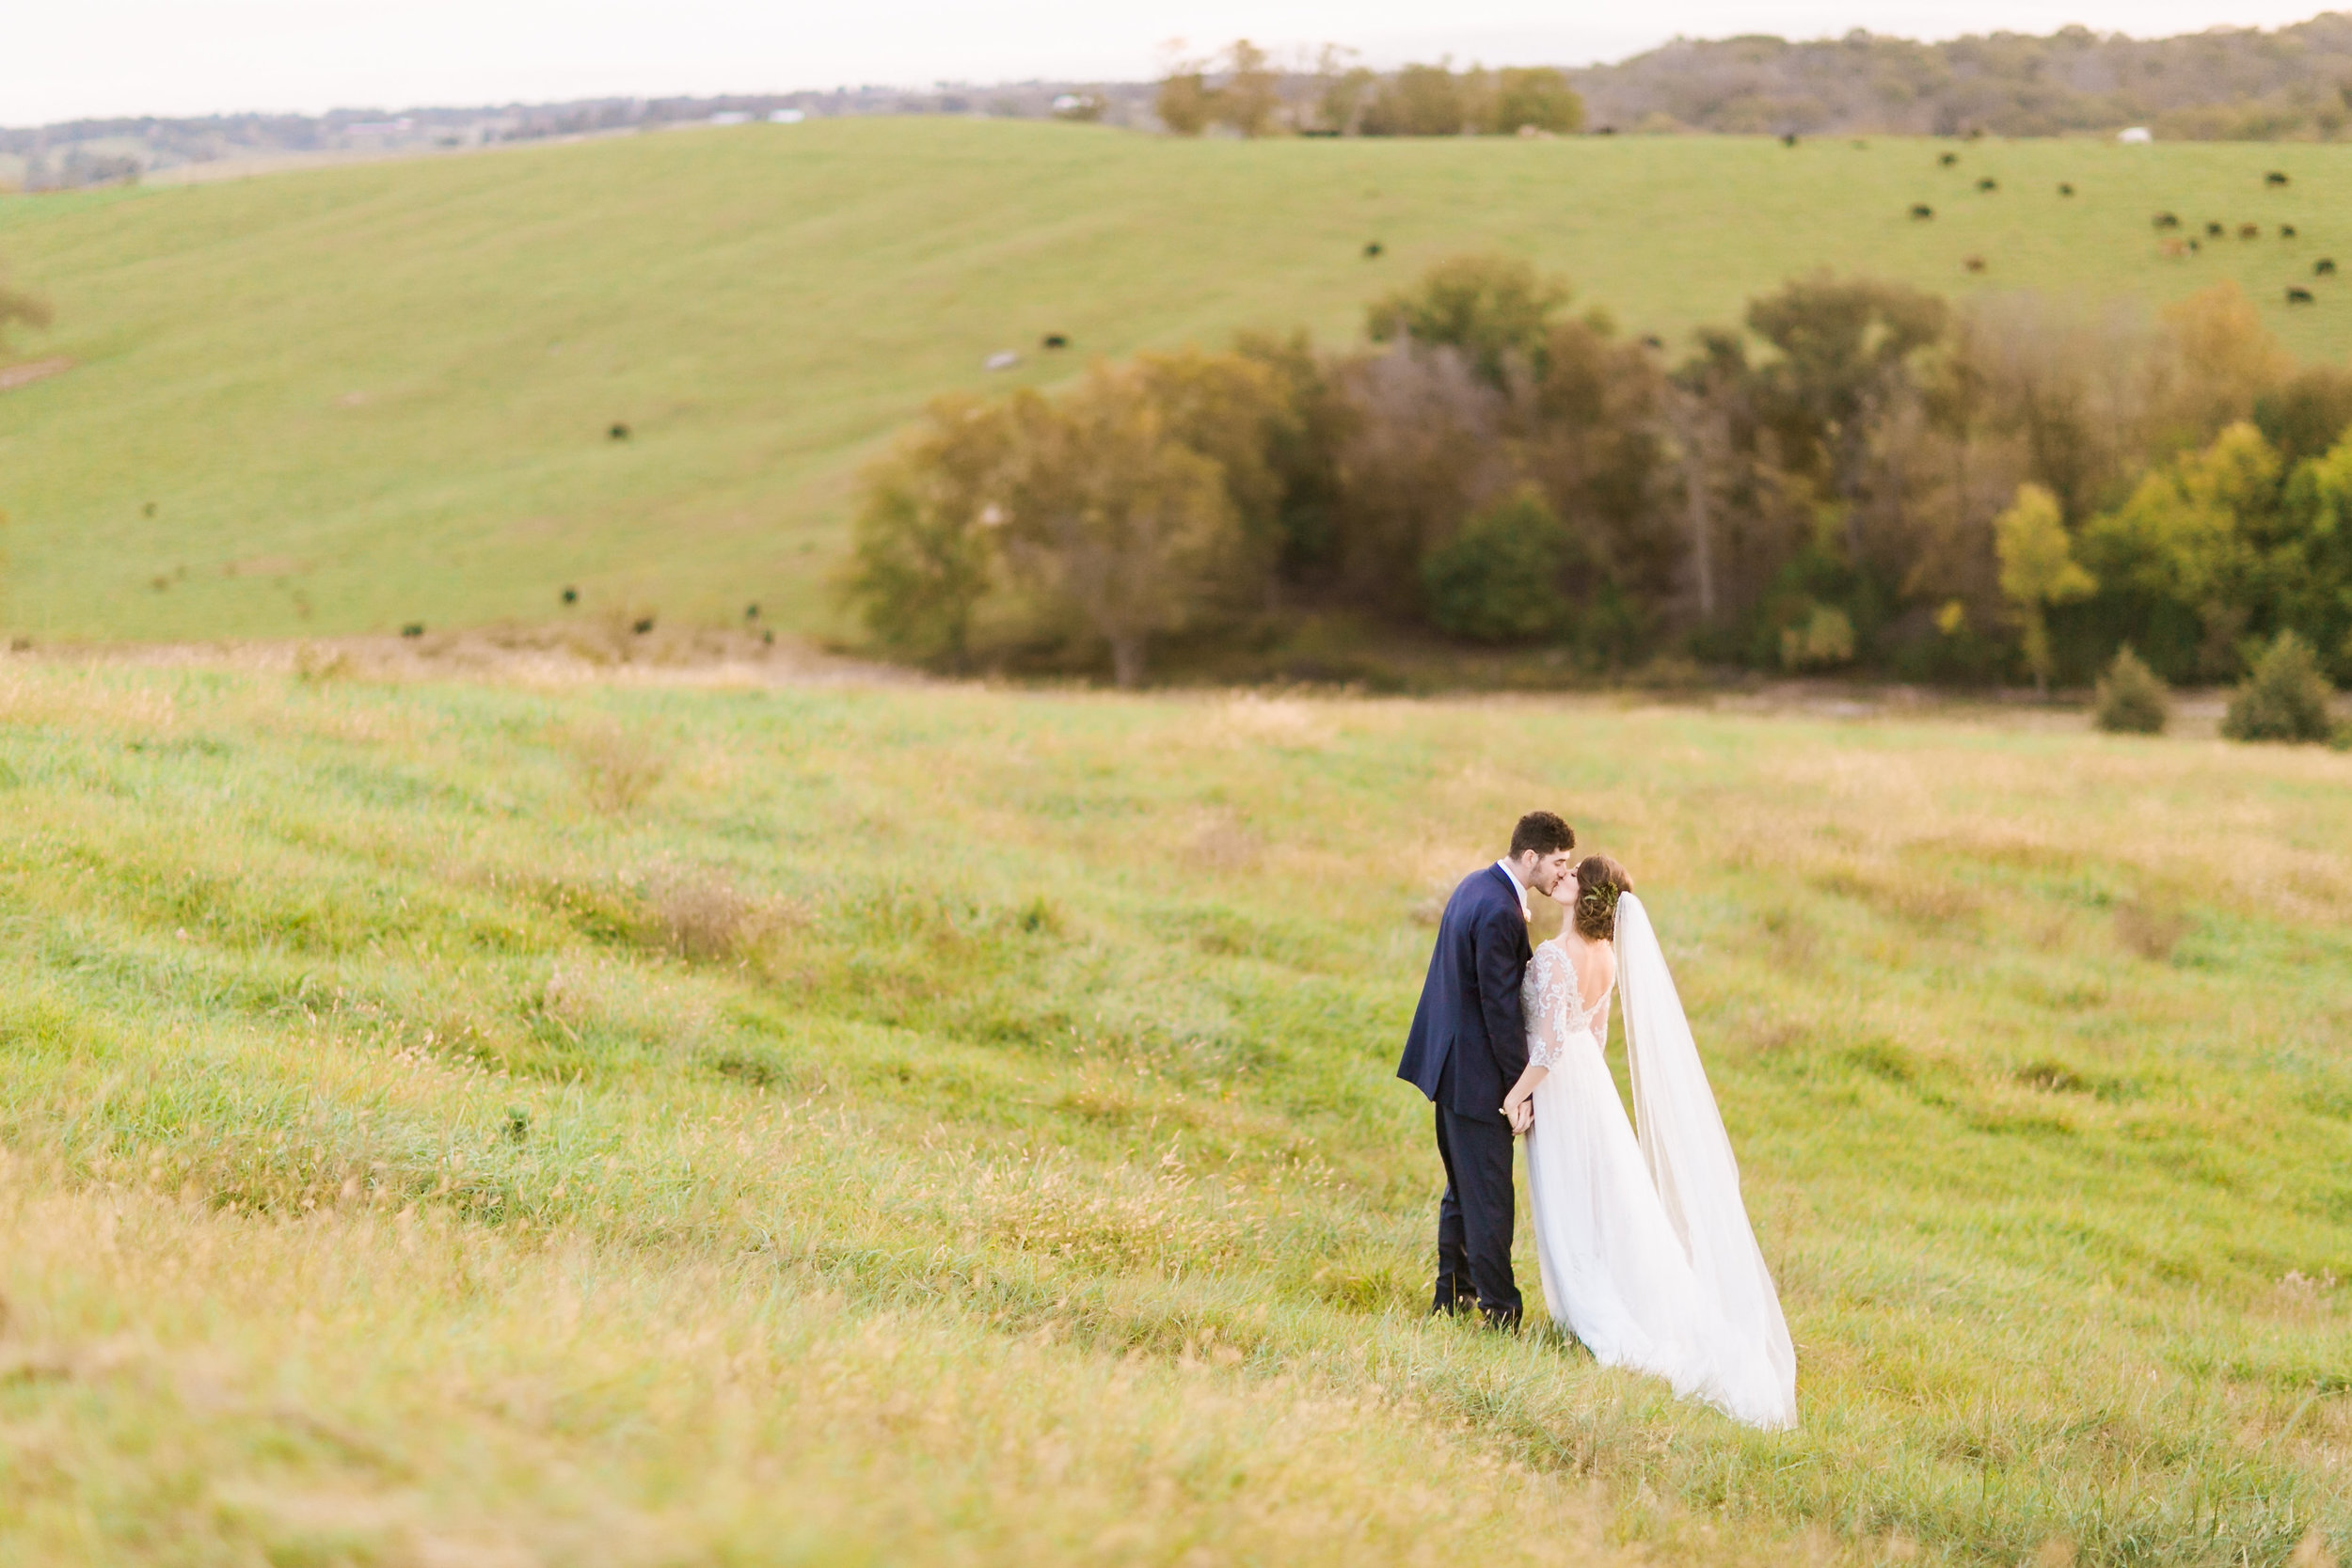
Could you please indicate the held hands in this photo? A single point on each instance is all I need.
(1519, 1110)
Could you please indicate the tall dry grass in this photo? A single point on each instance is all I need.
(1048, 1079)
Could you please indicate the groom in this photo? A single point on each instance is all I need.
(1466, 1048)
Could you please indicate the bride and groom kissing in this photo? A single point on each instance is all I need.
(1642, 1239)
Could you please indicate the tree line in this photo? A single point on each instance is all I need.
(2288, 84)
(1243, 91)
(1860, 475)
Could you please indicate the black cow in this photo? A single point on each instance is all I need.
(1789, 138)
(1055, 340)
(618, 432)
(2065, 189)
(751, 612)
(2273, 177)
(1922, 210)
(1987, 184)
(2323, 267)
(2214, 230)
(2167, 220)
(2299, 295)
(571, 596)
(1949, 159)
(414, 628)
(1373, 250)
(2286, 231)
(641, 626)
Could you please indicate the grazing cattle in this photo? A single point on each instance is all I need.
(414, 628)
(1373, 250)
(2273, 177)
(2250, 231)
(643, 624)
(1987, 184)
(1055, 340)
(1974, 263)
(2296, 294)
(571, 596)
(2286, 231)
(1004, 359)
(751, 612)
(2065, 189)
(1949, 159)
(1922, 210)
(1789, 138)
(618, 433)
(2167, 220)
(2323, 267)
(2214, 230)
(2173, 248)
(2194, 244)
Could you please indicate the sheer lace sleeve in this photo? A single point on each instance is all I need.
(1548, 998)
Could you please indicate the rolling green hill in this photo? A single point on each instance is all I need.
(348, 398)
(618, 1127)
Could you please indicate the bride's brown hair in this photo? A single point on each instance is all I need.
(1599, 882)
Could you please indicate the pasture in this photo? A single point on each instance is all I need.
(462, 1122)
(357, 397)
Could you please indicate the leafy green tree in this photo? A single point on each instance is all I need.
(1185, 103)
(1538, 97)
(2184, 545)
(2308, 414)
(2132, 698)
(1250, 102)
(2037, 570)
(1341, 91)
(1234, 411)
(924, 541)
(1845, 353)
(2284, 697)
(1418, 101)
(1498, 579)
(1497, 309)
(1109, 510)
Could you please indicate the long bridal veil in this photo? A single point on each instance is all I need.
(1681, 1135)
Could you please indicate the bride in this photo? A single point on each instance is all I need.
(1646, 1249)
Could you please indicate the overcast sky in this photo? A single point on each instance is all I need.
(69, 59)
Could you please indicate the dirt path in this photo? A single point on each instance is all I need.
(532, 655)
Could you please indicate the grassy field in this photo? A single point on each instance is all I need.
(475, 1123)
(349, 398)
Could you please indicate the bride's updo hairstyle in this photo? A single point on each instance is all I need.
(1599, 882)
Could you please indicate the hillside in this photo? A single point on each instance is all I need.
(2285, 84)
(616, 1127)
(363, 397)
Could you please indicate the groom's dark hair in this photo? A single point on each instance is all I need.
(1542, 832)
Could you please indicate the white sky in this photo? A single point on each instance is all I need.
(69, 59)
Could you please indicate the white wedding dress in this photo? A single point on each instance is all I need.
(1645, 1246)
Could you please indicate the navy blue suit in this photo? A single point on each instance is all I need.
(1468, 1046)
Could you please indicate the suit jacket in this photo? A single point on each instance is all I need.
(1470, 1003)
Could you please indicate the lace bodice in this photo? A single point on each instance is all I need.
(1557, 1018)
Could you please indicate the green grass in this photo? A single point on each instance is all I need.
(365, 396)
(957, 1125)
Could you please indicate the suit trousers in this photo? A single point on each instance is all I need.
(1474, 1218)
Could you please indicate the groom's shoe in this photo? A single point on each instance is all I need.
(1502, 1320)
(1451, 1298)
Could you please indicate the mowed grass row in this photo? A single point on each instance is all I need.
(353, 399)
(781, 1125)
